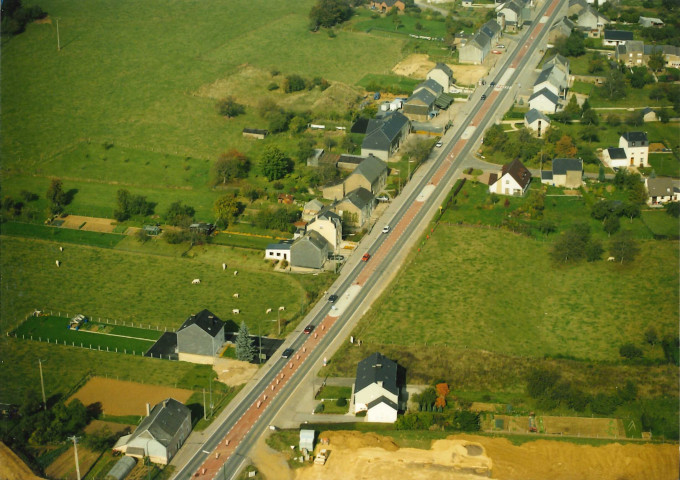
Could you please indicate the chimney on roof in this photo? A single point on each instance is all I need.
(165, 402)
(148, 409)
(211, 317)
(380, 383)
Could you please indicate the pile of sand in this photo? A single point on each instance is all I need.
(234, 372)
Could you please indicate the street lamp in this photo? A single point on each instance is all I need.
(42, 384)
(278, 317)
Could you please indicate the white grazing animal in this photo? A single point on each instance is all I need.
(236, 311)
(611, 259)
(235, 295)
(196, 281)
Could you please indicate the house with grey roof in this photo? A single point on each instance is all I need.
(510, 16)
(355, 208)
(160, 435)
(636, 146)
(591, 19)
(647, 22)
(560, 29)
(631, 53)
(614, 157)
(370, 174)
(612, 38)
(329, 225)
(536, 122)
(376, 390)
(544, 101)
(431, 85)
(419, 105)
(558, 61)
(311, 209)
(200, 337)
(479, 46)
(492, 30)
(443, 75)
(383, 136)
(566, 172)
(671, 54)
(309, 251)
(576, 7)
(278, 251)
(661, 190)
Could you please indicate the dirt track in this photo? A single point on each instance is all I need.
(468, 457)
(11, 466)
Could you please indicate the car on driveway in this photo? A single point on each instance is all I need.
(308, 329)
(383, 198)
(287, 353)
(497, 52)
(333, 298)
(335, 256)
(366, 257)
(500, 45)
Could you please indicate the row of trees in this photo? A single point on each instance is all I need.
(128, 205)
(576, 244)
(328, 13)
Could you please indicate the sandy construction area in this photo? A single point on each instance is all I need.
(91, 224)
(468, 457)
(118, 397)
(418, 64)
(234, 372)
(11, 466)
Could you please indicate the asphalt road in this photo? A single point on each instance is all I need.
(426, 191)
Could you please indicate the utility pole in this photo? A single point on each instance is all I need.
(205, 412)
(211, 402)
(75, 450)
(58, 42)
(42, 384)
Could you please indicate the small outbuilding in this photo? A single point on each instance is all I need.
(121, 469)
(307, 439)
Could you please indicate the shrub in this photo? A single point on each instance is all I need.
(341, 402)
(630, 351)
(318, 408)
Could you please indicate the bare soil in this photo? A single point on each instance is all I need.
(92, 224)
(98, 425)
(12, 467)
(418, 64)
(468, 457)
(64, 467)
(589, 427)
(118, 397)
(234, 372)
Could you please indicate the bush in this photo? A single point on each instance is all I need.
(341, 402)
(630, 351)
(318, 408)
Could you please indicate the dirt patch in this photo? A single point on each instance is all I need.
(418, 64)
(43, 20)
(64, 466)
(486, 407)
(11, 466)
(589, 427)
(656, 147)
(271, 464)
(91, 224)
(234, 372)
(118, 397)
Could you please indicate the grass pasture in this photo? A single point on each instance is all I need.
(660, 223)
(95, 335)
(56, 234)
(665, 164)
(392, 83)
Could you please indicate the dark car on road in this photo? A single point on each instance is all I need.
(308, 329)
(287, 353)
(332, 298)
(483, 97)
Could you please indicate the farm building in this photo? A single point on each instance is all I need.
(200, 337)
(160, 435)
(376, 390)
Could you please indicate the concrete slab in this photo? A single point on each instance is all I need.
(343, 302)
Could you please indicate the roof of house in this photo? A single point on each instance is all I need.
(511, 5)
(547, 94)
(594, 13)
(316, 239)
(355, 159)
(431, 85)
(359, 197)
(360, 125)
(389, 3)
(381, 133)
(556, 59)
(650, 20)
(647, 110)
(424, 96)
(377, 368)
(660, 186)
(616, 153)
(665, 49)
(634, 136)
(563, 23)
(163, 421)
(560, 166)
(328, 214)
(257, 131)
(632, 46)
(480, 40)
(282, 245)
(546, 175)
(551, 75)
(371, 168)
(314, 205)
(532, 115)
(618, 35)
(382, 399)
(206, 320)
(518, 171)
(444, 68)
(493, 178)
(490, 28)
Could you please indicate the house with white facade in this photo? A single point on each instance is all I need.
(544, 101)
(329, 225)
(661, 190)
(375, 389)
(278, 251)
(536, 122)
(612, 38)
(636, 146)
(566, 172)
(443, 75)
(514, 179)
(509, 16)
(591, 19)
(615, 157)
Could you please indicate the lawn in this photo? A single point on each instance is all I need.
(140, 286)
(429, 28)
(665, 164)
(635, 97)
(65, 235)
(391, 83)
(660, 223)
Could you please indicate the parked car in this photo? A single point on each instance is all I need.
(308, 329)
(497, 52)
(287, 353)
(366, 257)
(386, 229)
(383, 198)
(336, 257)
(439, 144)
(333, 298)
(500, 45)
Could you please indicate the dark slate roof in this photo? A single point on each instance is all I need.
(647, 110)
(490, 28)
(493, 178)
(382, 399)
(543, 76)
(356, 159)
(164, 421)
(532, 115)
(328, 214)
(633, 46)
(560, 166)
(371, 168)
(666, 49)
(546, 175)
(547, 94)
(424, 96)
(512, 6)
(316, 239)
(282, 245)
(431, 85)
(635, 136)
(556, 59)
(382, 133)
(444, 68)
(565, 23)
(359, 197)
(360, 125)
(206, 320)
(616, 153)
(518, 171)
(256, 131)
(660, 187)
(377, 368)
(618, 35)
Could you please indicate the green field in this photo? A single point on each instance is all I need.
(392, 83)
(429, 28)
(660, 223)
(65, 235)
(141, 286)
(91, 335)
(665, 165)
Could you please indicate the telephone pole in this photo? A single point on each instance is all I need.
(42, 384)
(75, 450)
(205, 412)
(58, 42)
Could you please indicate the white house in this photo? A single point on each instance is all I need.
(375, 389)
(514, 179)
(329, 225)
(661, 190)
(443, 75)
(592, 19)
(544, 101)
(615, 157)
(536, 122)
(566, 172)
(509, 16)
(612, 38)
(278, 251)
(160, 435)
(636, 146)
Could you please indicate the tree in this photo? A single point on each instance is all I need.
(663, 115)
(179, 215)
(565, 147)
(657, 93)
(651, 336)
(656, 60)
(623, 247)
(611, 225)
(575, 45)
(226, 209)
(305, 149)
(128, 205)
(541, 380)
(274, 164)
(571, 245)
(227, 107)
(295, 83)
(637, 193)
(585, 106)
(495, 137)
(613, 120)
(603, 209)
(572, 107)
(297, 124)
(614, 87)
(630, 351)
(327, 13)
(56, 197)
(594, 250)
(630, 210)
(230, 165)
(600, 174)
(442, 389)
(635, 119)
(245, 350)
(640, 77)
(672, 209)
(590, 117)
(596, 63)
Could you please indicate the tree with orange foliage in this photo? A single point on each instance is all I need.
(442, 389)
(440, 402)
(565, 147)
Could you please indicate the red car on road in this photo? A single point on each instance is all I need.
(366, 257)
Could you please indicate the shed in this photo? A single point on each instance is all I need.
(255, 133)
(121, 469)
(307, 439)
(152, 229)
